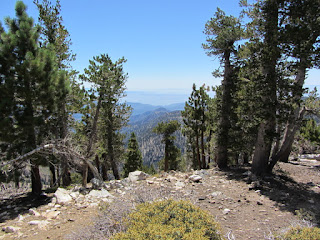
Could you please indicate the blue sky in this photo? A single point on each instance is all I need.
(161, 40)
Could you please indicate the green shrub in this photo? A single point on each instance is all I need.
(169, 220)
(76, 178)
(299, 233)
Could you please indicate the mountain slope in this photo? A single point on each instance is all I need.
(140, 108)
(150, 144)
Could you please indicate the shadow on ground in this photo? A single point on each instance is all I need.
(289, 195)
(10, 208)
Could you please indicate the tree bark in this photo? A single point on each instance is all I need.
(262, 152)
(66, 177)
(53, 175)
(35, 179)
(203, 156)
(110, 146)
(198, 149)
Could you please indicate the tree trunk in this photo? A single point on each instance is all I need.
(198, 149)
(110, 146)
(92, 140)
(114, 168)
(35, 179)
(66, 177)
(262, 152)
(53, 175)
(84, 174)
(105, 167)
(16, 176)
(288, 139)
(203, 156)
(104, 172)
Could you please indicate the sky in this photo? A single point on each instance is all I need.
(161, 40)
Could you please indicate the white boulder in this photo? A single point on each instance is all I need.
(10, 229)
(62, 196)
(100, 193)
(34, 212)
(137, 176)
(195, 178)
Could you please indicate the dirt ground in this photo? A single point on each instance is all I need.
(244, 209)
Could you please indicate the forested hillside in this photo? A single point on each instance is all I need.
(245, 133)
(254, 116)
(151, 146)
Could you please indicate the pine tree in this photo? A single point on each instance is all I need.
(55, 35)
(226, 30)
(171, 152)
(31, 74)
(133, 156)
(195, 124)
(300, 42)
(108, 114)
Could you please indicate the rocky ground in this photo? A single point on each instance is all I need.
(245, 207)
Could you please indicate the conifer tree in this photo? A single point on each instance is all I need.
(133, 156)
(107, 114)
(31, 74)
(223, 31)
(55, 35)
(195, 124)
(171, 152)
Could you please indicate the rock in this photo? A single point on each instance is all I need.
(41, 224)
(53, 201)
(34, 212)
(52, 214)
(62, 196)
(137, 176)
(202, 172)
(10, 229)
(107, 200)
(115, 184)
(20, 218)
(100, 194)
(226, 211)
(84, 190)
(254, 185)
(195, 178)
(180, 185)
(215, 194)
(97, 184)
(94, 204)
(171, 179)
(75, 195)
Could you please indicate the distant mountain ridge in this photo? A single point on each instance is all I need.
(140, 108)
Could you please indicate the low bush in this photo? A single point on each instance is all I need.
(170, 220)
(76, 178)
(299, 233)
